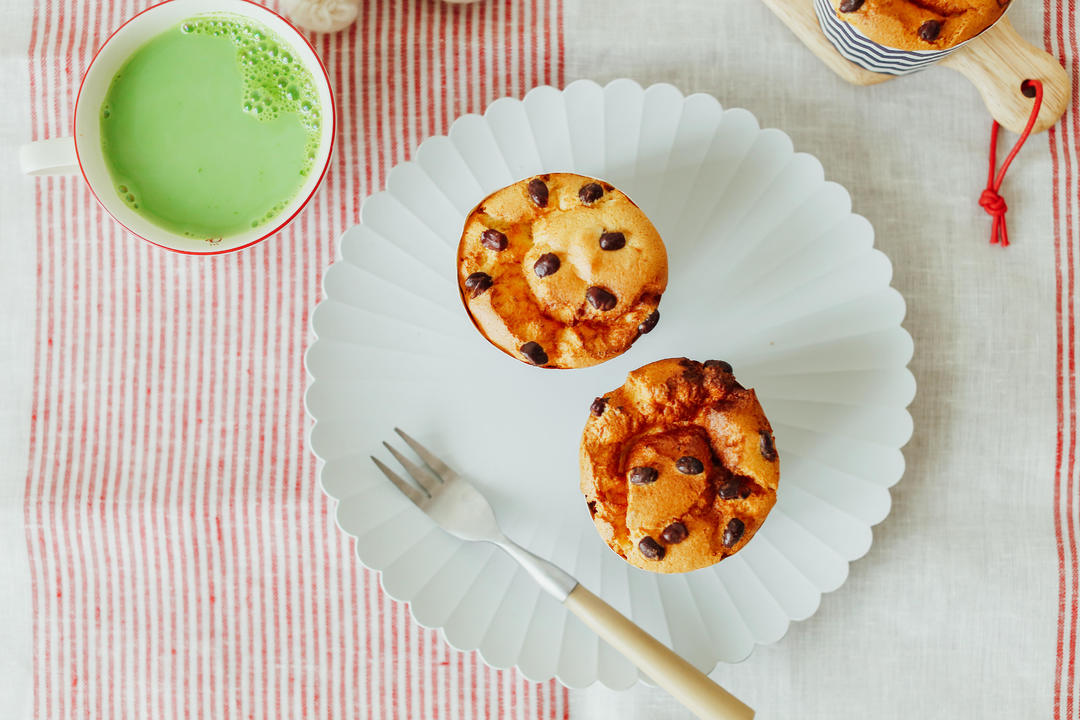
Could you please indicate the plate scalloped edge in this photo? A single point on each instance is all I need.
(699, 119)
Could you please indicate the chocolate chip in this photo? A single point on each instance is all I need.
(601, 298)
(847, 6)
(546, 264)
(493, 240)
(689, 465)
(643, 475)
(729, 489)
(534, 353)
(477, 283)
(612, 241)
(733, 532)
(930, 30)
(592, 508)
(651, 549)
(538, 191)
(693, 371)
(674, 533)
(725, 366)
(649, 323)
(590, 193)
(599, 405)
(768, 448)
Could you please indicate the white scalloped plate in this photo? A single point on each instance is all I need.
(770, 270)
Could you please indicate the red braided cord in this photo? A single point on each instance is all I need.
(990, 200)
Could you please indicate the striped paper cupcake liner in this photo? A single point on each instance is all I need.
(868, 54)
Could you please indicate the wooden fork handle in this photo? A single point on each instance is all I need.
(686, 683)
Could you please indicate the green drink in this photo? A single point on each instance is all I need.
(210, 128)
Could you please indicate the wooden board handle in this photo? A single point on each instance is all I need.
(997, 62)
(686, 683)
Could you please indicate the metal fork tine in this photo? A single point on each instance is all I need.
(410, 492)
(421, 475)
(442, 470)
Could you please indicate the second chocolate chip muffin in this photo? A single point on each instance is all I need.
(678, 466)
(561, 270)
(920, 24)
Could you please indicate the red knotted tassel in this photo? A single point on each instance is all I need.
(990, 200)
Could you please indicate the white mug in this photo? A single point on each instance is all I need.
(83, 152)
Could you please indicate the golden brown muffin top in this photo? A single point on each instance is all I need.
(564, 266)
(678, 466)
(920, 24)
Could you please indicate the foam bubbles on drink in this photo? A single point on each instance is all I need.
(127, 194)
(272, 83)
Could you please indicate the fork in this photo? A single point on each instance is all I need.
(461, 510)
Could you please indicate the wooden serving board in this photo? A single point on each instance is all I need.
(997, 62)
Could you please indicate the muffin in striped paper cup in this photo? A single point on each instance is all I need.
(901, 36)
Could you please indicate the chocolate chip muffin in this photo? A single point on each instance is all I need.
(920, 24)
(678, 466)
(561, 270)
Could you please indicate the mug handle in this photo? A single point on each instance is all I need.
(49, 157)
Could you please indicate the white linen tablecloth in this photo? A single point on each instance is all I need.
(164, 547)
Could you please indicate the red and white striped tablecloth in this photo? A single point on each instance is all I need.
(169, 550)
(183, 559)
(1060, 38)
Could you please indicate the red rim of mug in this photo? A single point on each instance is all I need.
(314, 189)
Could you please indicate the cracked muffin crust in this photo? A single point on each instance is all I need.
(678, 465)
(920, 24)
(561, 270)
